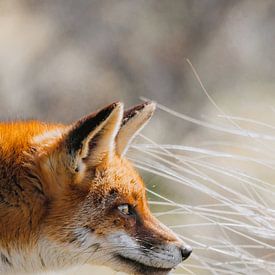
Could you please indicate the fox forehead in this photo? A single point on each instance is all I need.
(120, 180)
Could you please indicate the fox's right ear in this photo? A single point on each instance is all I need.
(133, 121)
(92, 138)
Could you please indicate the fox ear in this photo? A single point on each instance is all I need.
(133, 121)
(92, 138)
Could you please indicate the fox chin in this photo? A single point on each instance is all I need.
(69, 196)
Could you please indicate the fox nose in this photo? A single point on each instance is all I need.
(186, 250)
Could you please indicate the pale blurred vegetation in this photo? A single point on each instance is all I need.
(62, 59)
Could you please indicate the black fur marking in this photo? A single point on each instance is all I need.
(133, 111)
(5, 260)
(85, 126)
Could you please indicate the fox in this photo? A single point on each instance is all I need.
(69, 196)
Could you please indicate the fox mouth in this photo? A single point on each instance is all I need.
(142, 268)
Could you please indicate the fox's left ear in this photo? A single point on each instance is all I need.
(92, 139)
(133, 121)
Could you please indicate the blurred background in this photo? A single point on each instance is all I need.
(60, 60)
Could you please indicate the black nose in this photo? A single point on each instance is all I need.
(186, 250)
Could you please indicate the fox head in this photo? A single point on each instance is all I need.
(97, 211)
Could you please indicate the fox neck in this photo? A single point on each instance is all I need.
(22, 207)
(47, 255)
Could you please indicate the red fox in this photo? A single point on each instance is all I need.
(68, 196)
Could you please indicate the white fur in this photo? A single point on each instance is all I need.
(162, 256)
(48, 136)
(48, 255)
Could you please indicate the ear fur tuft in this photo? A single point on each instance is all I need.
(133, 121)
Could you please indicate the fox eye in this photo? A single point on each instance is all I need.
(124, 209)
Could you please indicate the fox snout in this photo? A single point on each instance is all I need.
(168, 238)
(168, 255)
(151, 248)
(148, 257)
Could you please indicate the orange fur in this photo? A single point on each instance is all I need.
(21, 196)
(52, 191)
